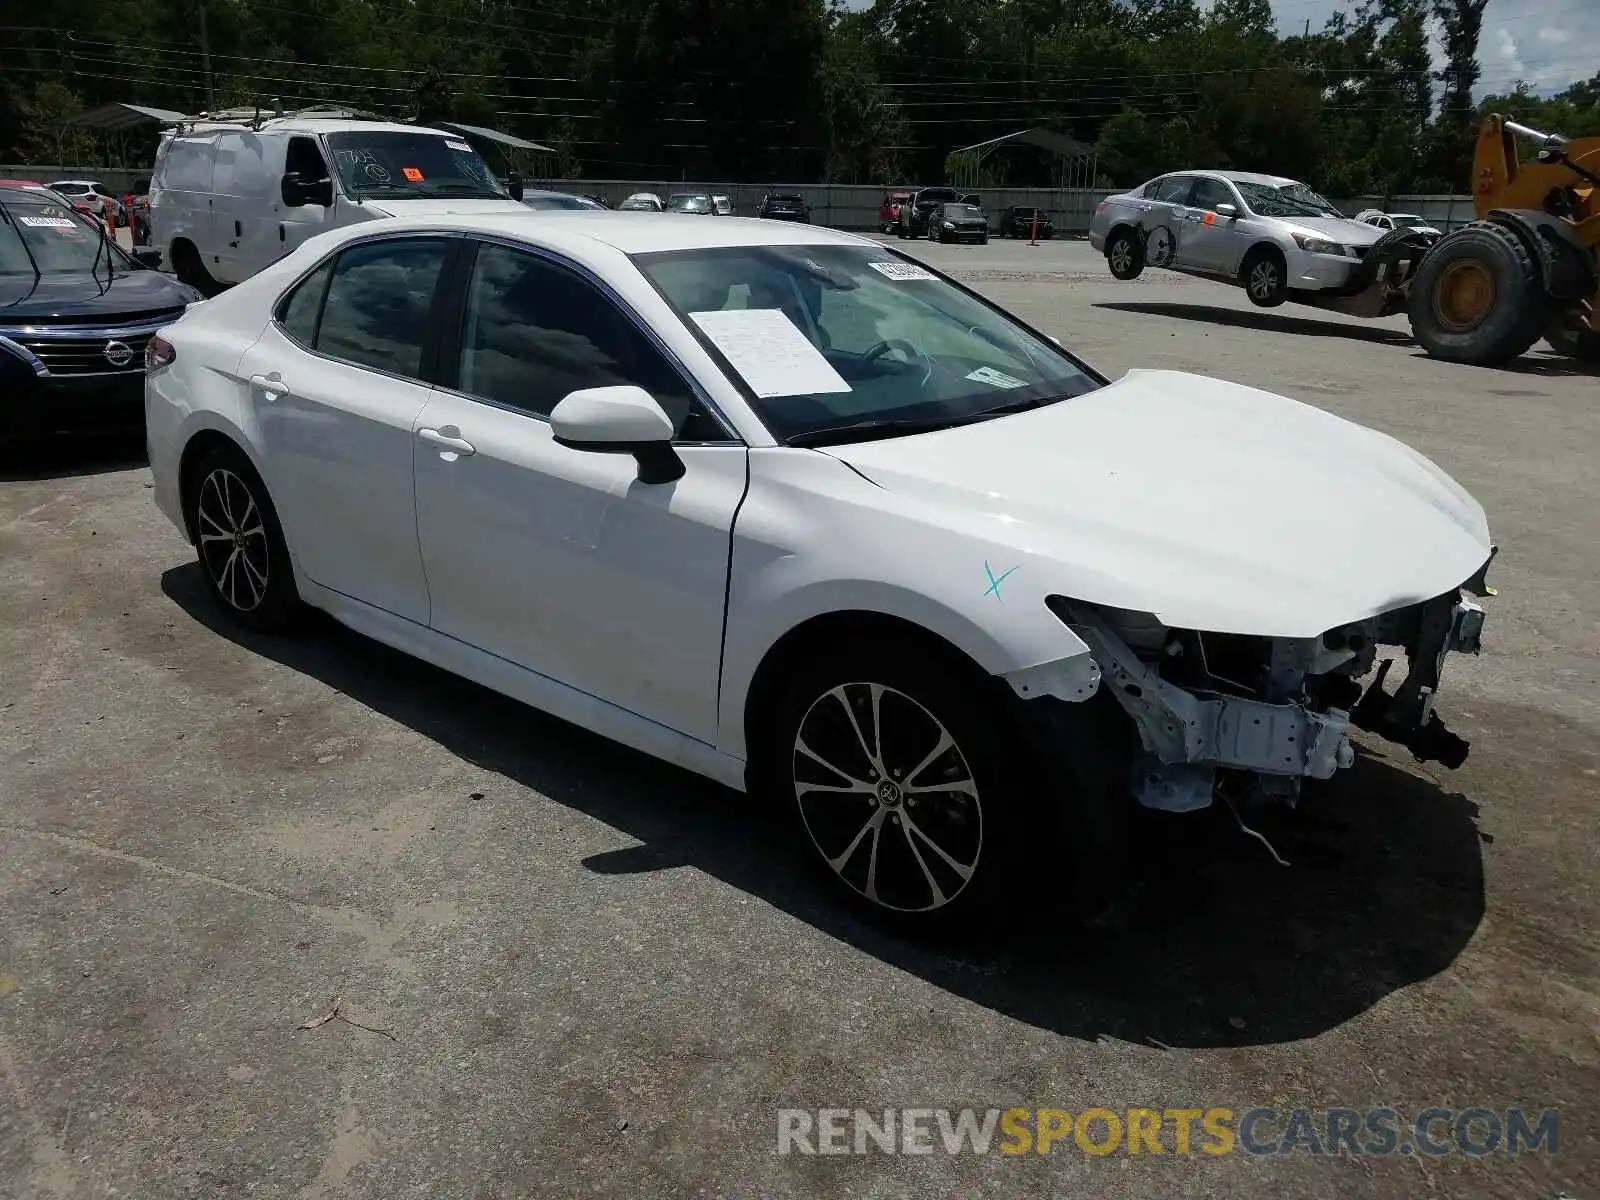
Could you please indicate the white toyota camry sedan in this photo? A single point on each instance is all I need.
(786, 508)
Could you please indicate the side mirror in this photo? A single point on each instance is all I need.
(148, 256)
(292, 190)
(514, 185)
(1227, 210)
(619, 420)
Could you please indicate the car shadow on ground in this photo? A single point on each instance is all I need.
(1263, 320)
(63, 457)
(1217, 945)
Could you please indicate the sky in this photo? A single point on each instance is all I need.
(1548, 43)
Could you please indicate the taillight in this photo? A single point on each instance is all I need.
(158, 353)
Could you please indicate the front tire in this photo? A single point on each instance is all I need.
(240, 542)
(1265, 275)
(1580, 343)
(916, 793)
(1477, 297)
(1125, 254)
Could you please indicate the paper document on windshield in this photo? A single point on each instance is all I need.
(771, 355)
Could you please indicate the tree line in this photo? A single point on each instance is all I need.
(807, 90)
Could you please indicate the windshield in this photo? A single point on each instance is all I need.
(393, 165)
(60, 242)
(824, 337)
(962, 210)
(638, 202)
(690, 204)
(1290, 200)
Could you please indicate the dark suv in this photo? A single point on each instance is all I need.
(914, 212)
(784, 206)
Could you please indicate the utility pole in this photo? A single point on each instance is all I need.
(205, 57)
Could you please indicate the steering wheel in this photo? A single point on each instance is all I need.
(879, 349)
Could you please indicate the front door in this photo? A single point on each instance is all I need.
(1208, 240)
(336, 385)
(560, 560)
(290, 227)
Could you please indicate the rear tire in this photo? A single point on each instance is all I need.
(928, 840)
(1477, 297)
(1265, 276)
(189, 269)
(1125, 254)
(240, 541)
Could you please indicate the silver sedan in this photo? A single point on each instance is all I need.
(1270, 235)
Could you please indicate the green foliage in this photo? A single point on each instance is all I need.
(797, 90)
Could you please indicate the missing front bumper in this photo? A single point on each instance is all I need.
(1190, 735)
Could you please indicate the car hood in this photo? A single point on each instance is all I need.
(442, 206)
(1338, 229)
(1214, 506)
(129, 294)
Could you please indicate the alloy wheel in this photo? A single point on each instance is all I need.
(1264, 280)
(1121, 254)
(887, 797)
(233, 539)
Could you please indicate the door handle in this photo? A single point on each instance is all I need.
(445, 441)
(272, 385)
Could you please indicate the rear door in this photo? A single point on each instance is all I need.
(337, 381)
(1162, 221)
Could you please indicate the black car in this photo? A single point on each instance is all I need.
(958, 222)
(914, 212)
(784, 206)
(75, 313)
(1018, 222)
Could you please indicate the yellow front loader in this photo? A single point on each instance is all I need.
(1528, 267)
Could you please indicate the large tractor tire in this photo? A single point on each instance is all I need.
(1477, 297)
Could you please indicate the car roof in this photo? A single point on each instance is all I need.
(1245, 177)
(625, 232)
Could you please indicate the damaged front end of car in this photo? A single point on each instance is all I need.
(1233, 715)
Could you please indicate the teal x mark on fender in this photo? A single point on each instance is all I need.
(994, 583)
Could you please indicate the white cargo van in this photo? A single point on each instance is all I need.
(231, 196)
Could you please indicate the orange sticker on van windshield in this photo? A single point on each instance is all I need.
(411, 173)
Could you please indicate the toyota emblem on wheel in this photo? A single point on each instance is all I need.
(118, 354)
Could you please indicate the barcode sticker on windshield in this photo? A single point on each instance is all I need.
(461, 146)
(994, 378)
(901, 270)
(47, 222)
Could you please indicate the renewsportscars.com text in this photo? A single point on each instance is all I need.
(1176, 1131)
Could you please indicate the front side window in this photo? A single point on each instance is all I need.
(379, 302)
(535, 331)
(823, 337)
(1208, 193)
(305, 160)
(395, 165)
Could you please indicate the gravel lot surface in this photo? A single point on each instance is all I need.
(562, 969)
